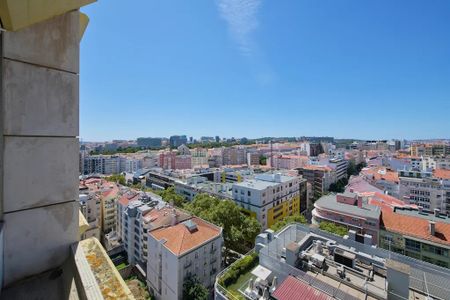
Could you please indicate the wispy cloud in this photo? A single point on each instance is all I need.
(241, 17)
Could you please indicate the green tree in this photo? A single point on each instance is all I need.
(262, 160)
(239, 231)
(296, 218)
(169, 195)
(351, 168)
(333, 228)
(117, 178)
(194, 290)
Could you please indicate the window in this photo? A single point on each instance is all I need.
(412, 245)
(249, 193)
(436, 250)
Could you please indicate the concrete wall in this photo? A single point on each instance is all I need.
(39, 128)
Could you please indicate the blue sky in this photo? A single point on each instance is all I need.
(343, 68)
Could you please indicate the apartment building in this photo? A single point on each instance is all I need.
(416, 233)
(269, 197)
(352, 211)
(430, 150)
(320, 178)
(101, 164)
(171, 160)
(287, 162)
(234, 155)
(383, 178)
(199, 157)
(183, 162)
(90, 207)
(423, 189)
(436, 162)
(253, 159)
(339, 166)
(185, 249)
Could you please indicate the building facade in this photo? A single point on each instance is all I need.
(268, 197)
(186, 249)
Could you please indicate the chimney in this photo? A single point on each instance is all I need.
(432, 228)
(360, 201)
(351, 190)
(436, 212)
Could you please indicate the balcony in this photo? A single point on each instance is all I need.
(87, 274)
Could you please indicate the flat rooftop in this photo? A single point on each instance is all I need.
(329, 202)
(366, 274)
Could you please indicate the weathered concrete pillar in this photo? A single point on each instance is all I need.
(39, 101)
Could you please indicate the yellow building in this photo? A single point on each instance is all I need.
(269, 197)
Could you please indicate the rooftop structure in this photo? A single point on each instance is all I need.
(336, 268)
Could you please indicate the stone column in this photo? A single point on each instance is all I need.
(39, 101)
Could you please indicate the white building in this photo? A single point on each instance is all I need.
(422, 189)
(269, 197)
(185, 249)
(91, 210)
(199, 157)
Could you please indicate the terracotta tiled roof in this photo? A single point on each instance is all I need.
(414, 226)
(385, 199)
(293, 289)
(441, 174)
(179, 240)
(162, 217)
(381, 173)
(126, 198)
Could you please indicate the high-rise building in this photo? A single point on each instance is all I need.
(149, 142)
(177, 140)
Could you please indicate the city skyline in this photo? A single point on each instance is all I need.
(346, 69)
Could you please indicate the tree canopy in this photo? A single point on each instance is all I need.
(169, 195)
(117, 178)
(239, 230)
(194, 290)
(296, 218)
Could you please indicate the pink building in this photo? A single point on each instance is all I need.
(183, 162)
(170, 160)
(351, 211)
(289, 161)
(167, 159)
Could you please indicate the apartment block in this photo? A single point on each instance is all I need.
(101, 164)
(423, 189)
(269, 197)
(430, 150)
(199, 157)
(253, 158)
(383, 178)
(288, 162)
(185, 249)
(352, 211)
(234, 155)
(417, 234)
(319, 177)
